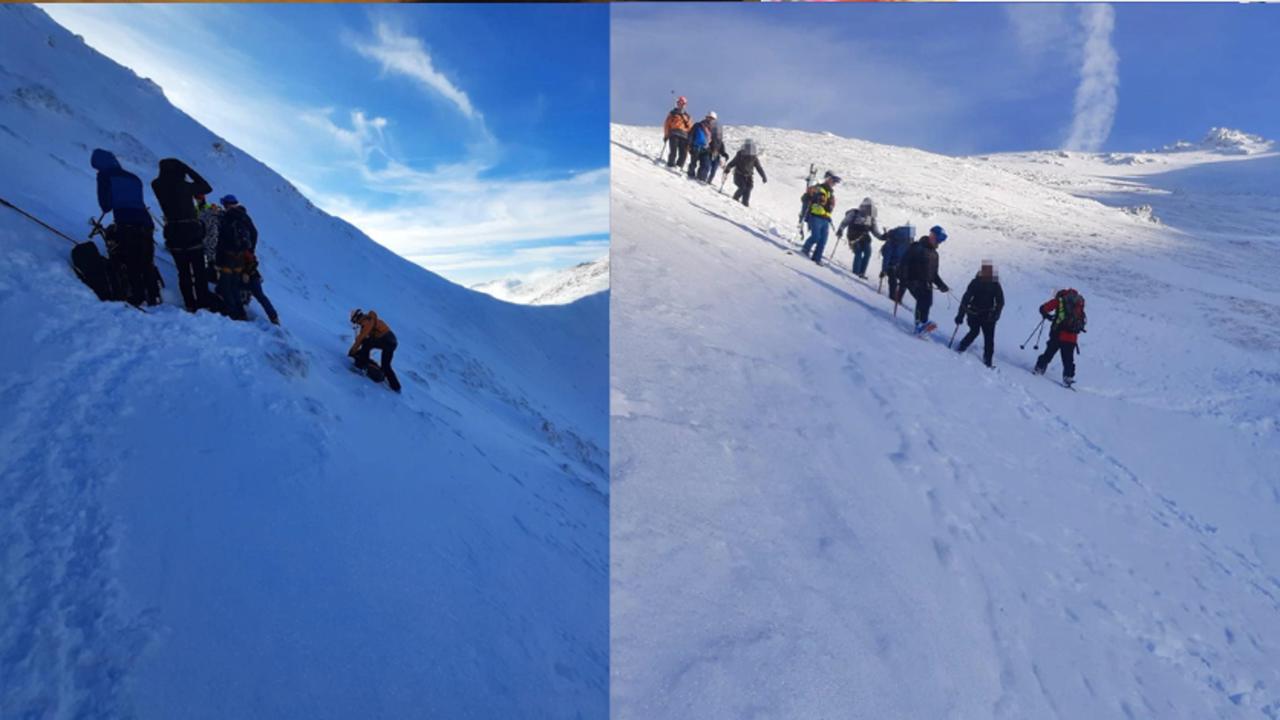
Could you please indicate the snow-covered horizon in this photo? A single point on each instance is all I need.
(816, 514)
(210, 519)
(552, 287)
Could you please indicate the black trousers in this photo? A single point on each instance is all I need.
(895, 288)
(744, 185)
(679, 150)
(387, 344)
(923, 294)
(1068, 350)
(986, 324)
(185, 241)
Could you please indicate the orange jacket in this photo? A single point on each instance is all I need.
(370, 327)
(678, 123)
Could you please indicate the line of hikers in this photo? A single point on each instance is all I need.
(702, 145)
(210, 244)
(911, 265)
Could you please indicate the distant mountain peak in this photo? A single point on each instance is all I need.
(1226, 141)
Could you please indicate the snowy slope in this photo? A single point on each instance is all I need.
(558, 288)
(208, 519)
(818, 515)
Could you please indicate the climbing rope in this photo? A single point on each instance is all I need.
(38, 221)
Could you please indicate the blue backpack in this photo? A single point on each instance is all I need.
(700, 135)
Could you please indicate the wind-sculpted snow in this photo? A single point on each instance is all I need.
(209, 519)
(818, 515)
(557, 288)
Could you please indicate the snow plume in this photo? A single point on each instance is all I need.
(1096, 96)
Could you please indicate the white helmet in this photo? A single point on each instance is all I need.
(712, 115)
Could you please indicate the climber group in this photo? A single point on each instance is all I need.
(910, 264)
(701, 144)
(210, 245)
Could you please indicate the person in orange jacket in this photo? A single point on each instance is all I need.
(374, 334)
(675, 131)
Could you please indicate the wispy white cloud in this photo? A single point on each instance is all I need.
(1097, 95)
(406, 55)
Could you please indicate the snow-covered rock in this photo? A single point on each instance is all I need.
(208, 519)
(817, 515)
(555, 288)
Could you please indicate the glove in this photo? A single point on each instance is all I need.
(839, 234)
(959, 319)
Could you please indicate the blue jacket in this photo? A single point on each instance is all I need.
(120, 191)
(896, 243)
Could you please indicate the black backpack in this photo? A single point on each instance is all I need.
(97, 272)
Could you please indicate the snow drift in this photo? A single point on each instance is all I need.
(818, 515)
(208, 519)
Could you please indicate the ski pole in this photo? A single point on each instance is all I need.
(1023, 346)
(1037, 345)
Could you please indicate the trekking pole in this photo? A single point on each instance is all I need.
(881, 285)
(1037, 345)
(1023, 346)
(723, 180)
(953, 336)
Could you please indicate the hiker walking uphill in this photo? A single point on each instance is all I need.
(717, 148)
(920, 275)
(1065, 313)
(675, 132)
(896, 242)
(981, 305)
(819, 201)
(744, 165)
(130, 238)
(183, 232)
(861, 223)
(702, 138)
(374, 334)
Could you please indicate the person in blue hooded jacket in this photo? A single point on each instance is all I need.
(130, 236)
(896, 242)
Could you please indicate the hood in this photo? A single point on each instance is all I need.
(104, 160)
(171, 168)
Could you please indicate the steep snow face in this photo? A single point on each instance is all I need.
(818, 515)
(208, 519)
(558, 288)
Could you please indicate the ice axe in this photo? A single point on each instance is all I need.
(953, 336)
(97, 226)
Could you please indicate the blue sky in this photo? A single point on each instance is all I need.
(472, 139)
(958, 78)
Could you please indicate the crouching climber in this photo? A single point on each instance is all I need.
(374, 334)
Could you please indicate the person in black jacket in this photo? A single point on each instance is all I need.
(982, 304)
(237, 239)
(183, 232)
(920, 275)
(744, 165)
(130, 238)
